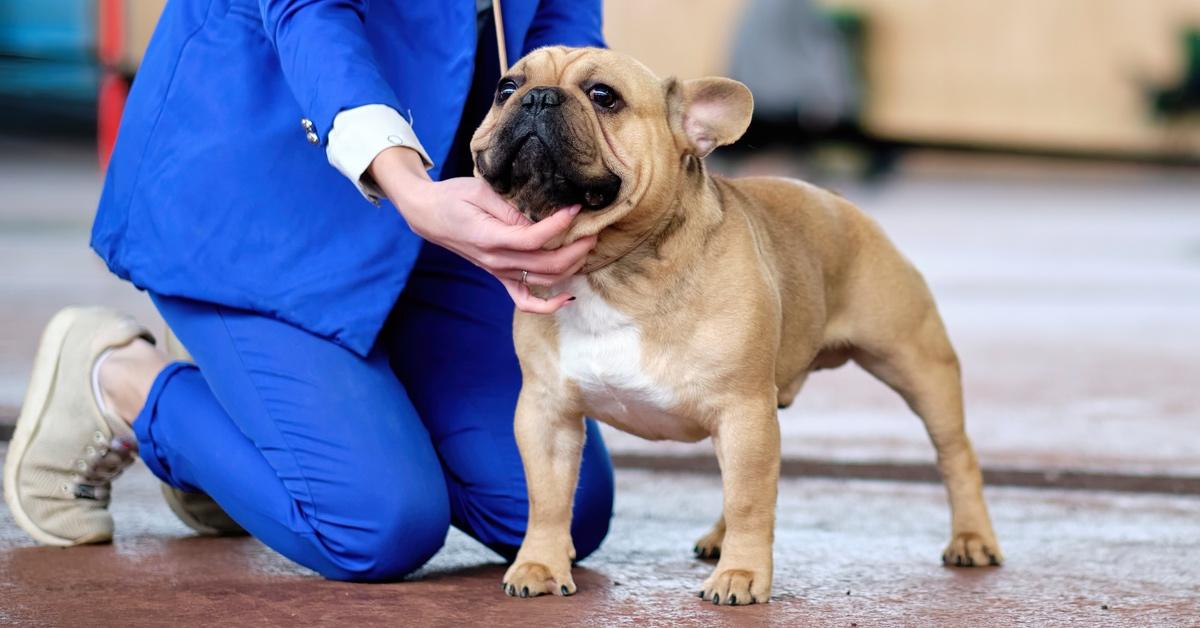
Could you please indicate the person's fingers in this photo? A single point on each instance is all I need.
(574, 270)
(556, 262)
(539, 279)
(533, 279)
(526, 301)
(535, 236)
(495, 206)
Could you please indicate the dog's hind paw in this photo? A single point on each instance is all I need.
(968, 549)
(709, 545)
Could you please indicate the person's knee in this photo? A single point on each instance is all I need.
(400, 537)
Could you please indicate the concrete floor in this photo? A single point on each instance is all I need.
(1072, 294)
(847, 553)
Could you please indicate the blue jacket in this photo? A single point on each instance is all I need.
(214, 193)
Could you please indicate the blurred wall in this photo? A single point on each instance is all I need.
(140, 18)
(682, 38)
(1062, 75)
(1055, 74)
(1070, 75)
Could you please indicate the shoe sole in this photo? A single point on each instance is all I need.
(33, 408)
(177, 507)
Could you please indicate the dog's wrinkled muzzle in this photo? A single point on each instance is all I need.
(545, 157)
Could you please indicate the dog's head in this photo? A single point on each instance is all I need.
(596, 128)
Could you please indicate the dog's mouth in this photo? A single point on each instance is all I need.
(540, 180)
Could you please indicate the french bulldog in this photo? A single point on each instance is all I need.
(703, 307)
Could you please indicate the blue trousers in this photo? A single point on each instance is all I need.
(356, 467)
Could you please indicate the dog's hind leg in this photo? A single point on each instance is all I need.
(921, 365)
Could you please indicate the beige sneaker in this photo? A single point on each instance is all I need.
(65, 450)
(196, 510)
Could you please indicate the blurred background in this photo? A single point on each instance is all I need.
(1039, 160)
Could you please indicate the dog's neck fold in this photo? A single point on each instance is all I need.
(652, 226)
(599, 262)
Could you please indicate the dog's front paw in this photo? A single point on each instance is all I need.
(968, 549)
(529, 578)
(736, 587)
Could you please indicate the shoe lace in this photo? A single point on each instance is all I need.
(102, 460)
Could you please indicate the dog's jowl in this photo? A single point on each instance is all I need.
(702, 309)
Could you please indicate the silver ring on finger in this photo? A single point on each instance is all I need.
(524, 278)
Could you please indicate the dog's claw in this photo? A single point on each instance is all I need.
(733, 600)
(524, 591)
(701, 594)
(564, 590)
(716, 599)
(511, 591)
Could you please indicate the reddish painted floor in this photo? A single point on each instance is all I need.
(847, 553)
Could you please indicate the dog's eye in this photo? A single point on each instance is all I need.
(506, 88)
(603, 95)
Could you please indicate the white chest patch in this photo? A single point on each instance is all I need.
(600, 348)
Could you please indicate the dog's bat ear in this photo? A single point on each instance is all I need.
(709, 112)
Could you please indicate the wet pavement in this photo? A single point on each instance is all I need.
(847, 553)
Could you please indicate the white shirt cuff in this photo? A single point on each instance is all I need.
(361, 133)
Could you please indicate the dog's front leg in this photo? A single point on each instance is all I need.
(747, 443)
(551, 442)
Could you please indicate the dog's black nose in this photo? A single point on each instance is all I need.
(539, 98)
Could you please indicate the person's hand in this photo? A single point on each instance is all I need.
(466, 216)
